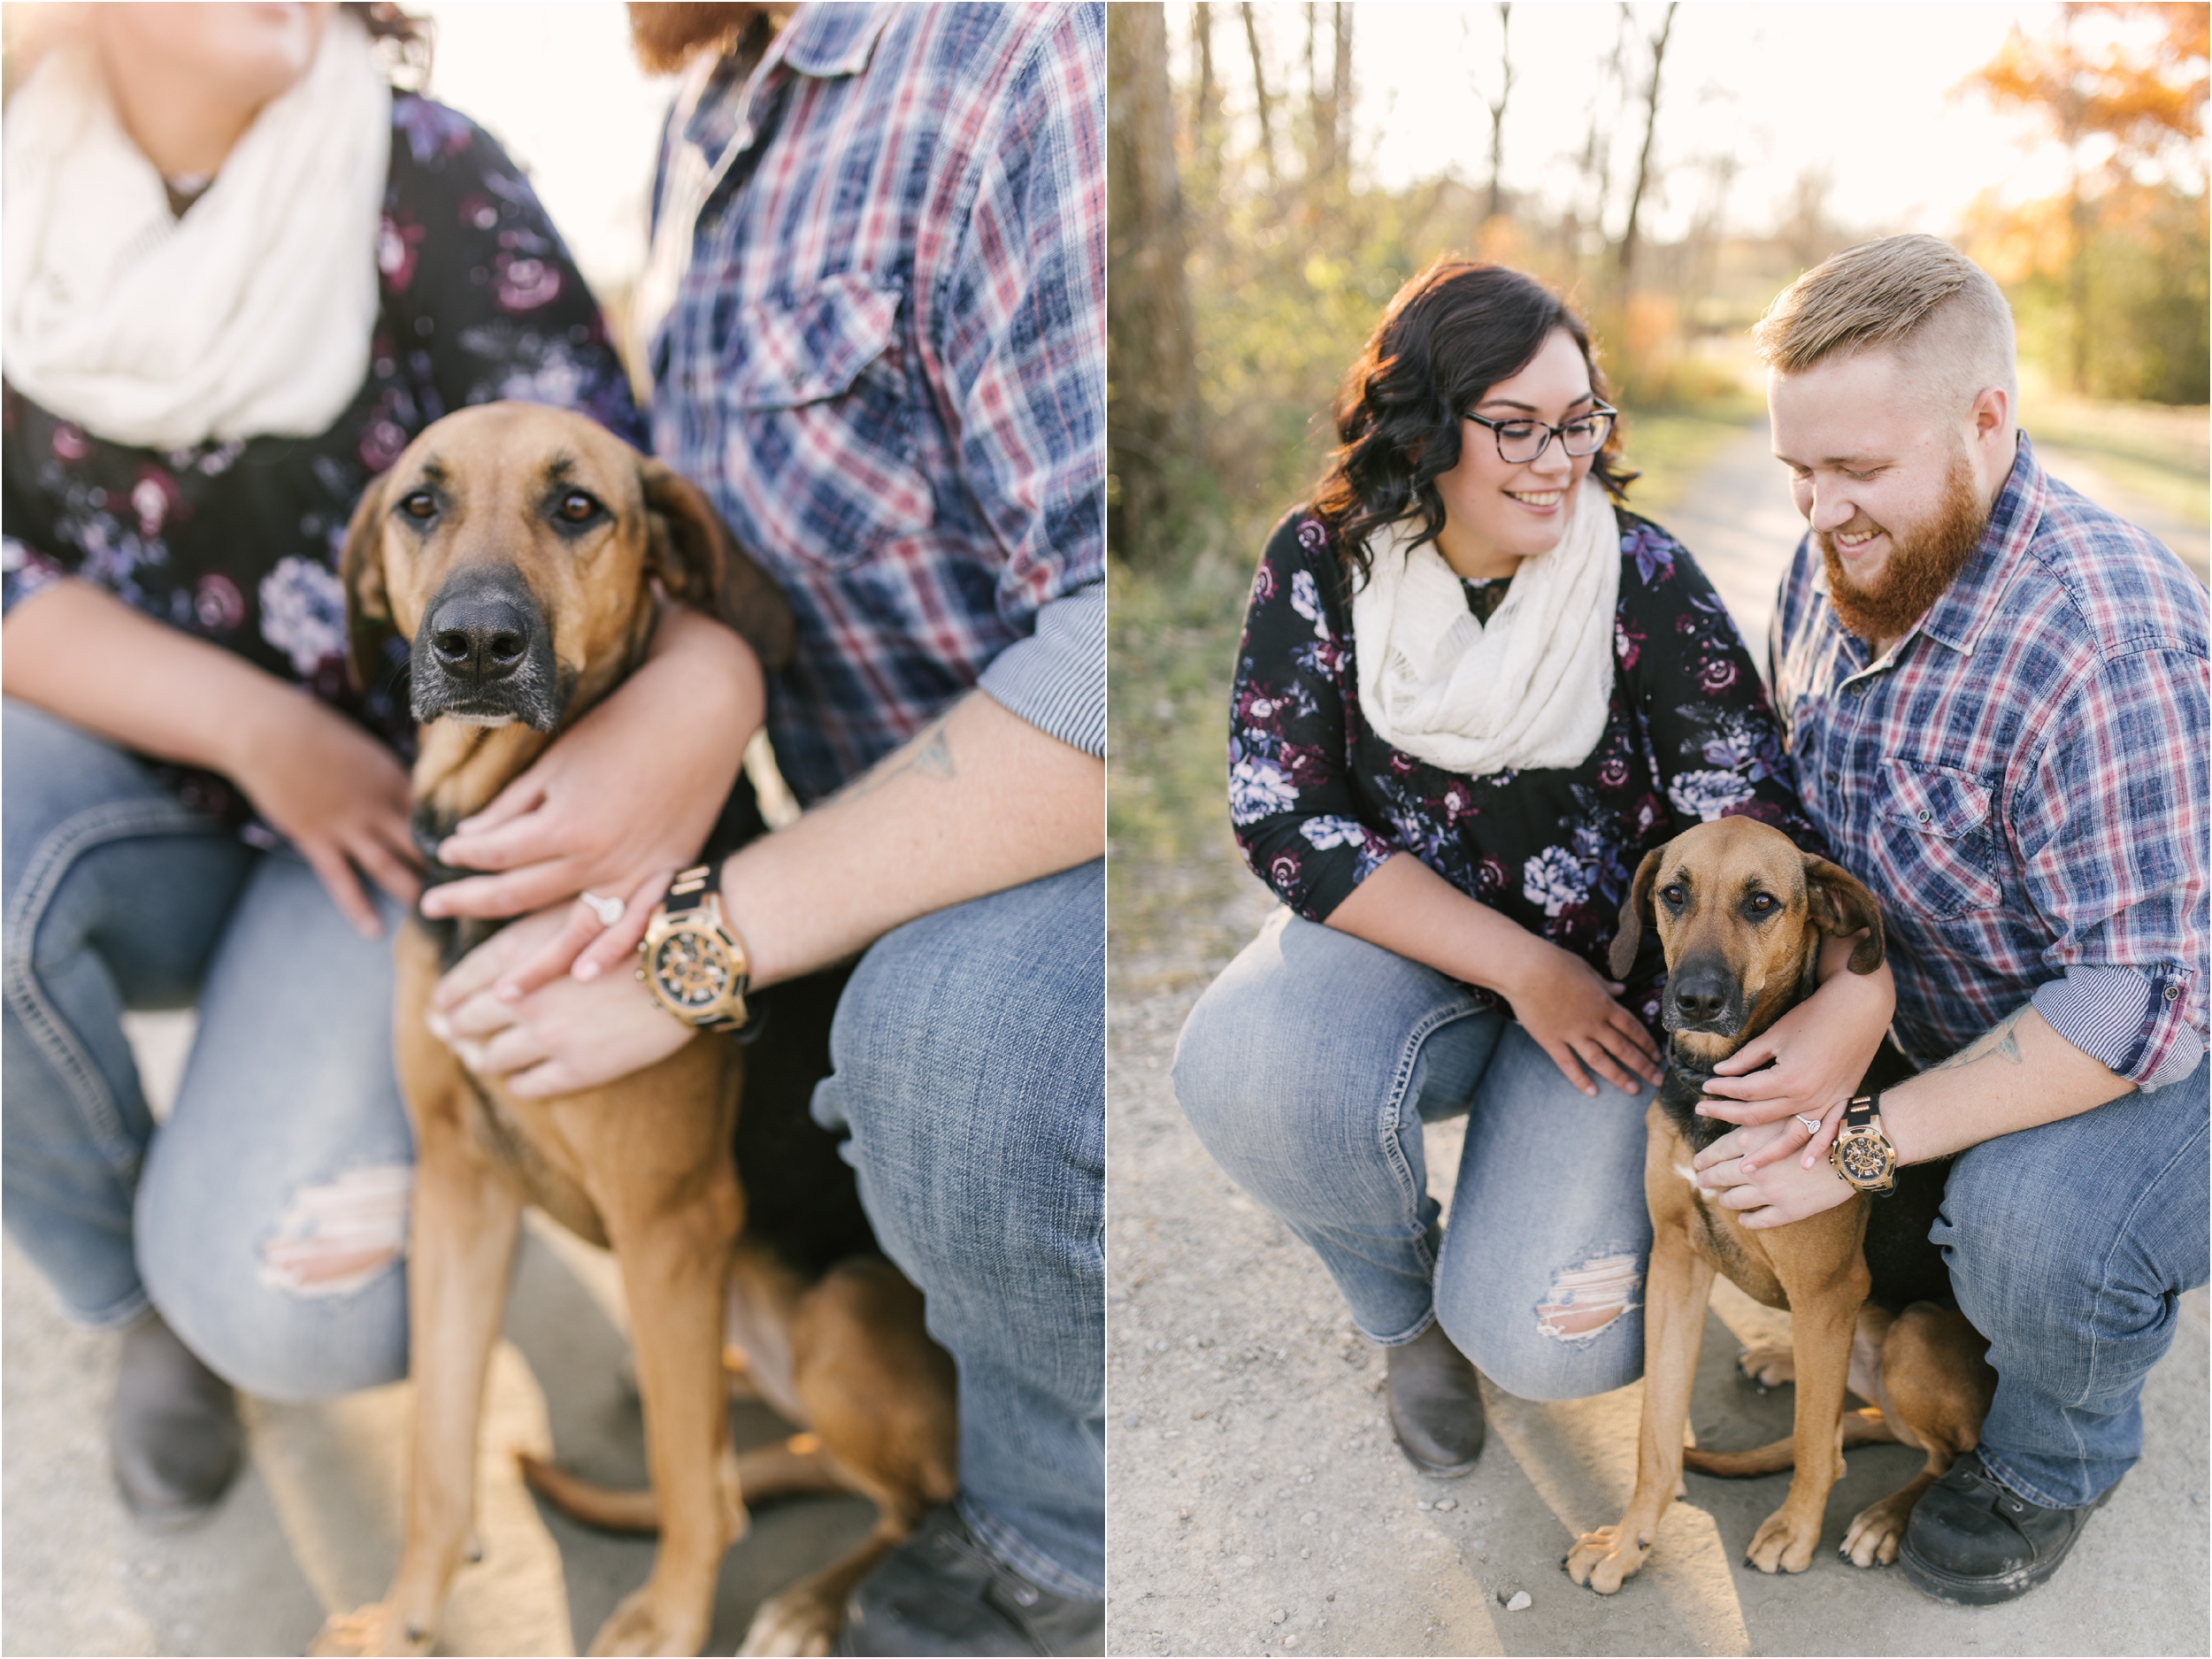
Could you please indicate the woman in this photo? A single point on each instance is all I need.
(1473, 690)
(242, 274)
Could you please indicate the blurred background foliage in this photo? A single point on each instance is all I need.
(1252, 251)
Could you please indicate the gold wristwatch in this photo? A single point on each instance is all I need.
(690, 958)
(1860, 1153)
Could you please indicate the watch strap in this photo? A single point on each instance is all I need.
(1860, 1114)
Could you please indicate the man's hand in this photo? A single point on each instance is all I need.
(1820, 1049)
(623, 801)
(566, 1035)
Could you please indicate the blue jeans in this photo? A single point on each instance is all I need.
(1308, 1069)
(287, 1125)
(2068, 1246)
(969, 1070)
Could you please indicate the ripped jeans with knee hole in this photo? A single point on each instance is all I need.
(267, 1217)
(1308, 1068)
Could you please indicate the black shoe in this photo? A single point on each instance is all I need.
(942, 1591)
(173, 1436)
(1972, 1542)
(1435, 1403)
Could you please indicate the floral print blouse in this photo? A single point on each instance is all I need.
(1318, 800)
(239, 543)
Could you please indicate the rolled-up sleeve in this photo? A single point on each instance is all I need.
(2115, 851)
(1055, 679)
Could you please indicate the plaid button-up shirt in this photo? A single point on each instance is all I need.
(876, 319)
(2021, 781)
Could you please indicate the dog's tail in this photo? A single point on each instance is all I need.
(783, 1469)
(1860, 1428)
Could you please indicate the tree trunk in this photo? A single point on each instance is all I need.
(1497, 110)
(1152, 388)
(1643, 161)
(1259, 90)
(1206, 106)
(1340, 87)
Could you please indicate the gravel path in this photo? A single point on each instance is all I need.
(1257, 1504)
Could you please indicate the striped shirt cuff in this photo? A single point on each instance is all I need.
(1055, 679)
(2128, 1019)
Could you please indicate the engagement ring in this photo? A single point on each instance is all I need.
(608, 910)
(1812, 1125)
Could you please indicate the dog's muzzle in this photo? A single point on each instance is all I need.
(1701, 996)
(484, 655)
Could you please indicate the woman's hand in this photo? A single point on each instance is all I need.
(564, 1036)
(1562, 1002)
(1820, 1049)
(621, 802)
(335, 793)
(1751, 1170)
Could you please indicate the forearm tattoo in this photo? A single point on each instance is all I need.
(2000, 1039)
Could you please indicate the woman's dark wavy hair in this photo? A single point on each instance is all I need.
(1449, 335)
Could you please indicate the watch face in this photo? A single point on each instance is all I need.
(1863, 1158)
(692, 969)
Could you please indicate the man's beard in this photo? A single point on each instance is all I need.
(665, 34)
(1920, 566)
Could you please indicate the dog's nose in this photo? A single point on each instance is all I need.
(1698, 997)
(480, 637)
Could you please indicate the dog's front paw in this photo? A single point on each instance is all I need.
(373, 1629)
(1769, 1367)
(1604, 1559)
(1783, 1544)
(801, 1620)
(643, 1623)
(1876, 1532)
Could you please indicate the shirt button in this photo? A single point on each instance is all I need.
(2173, 994)
(1925, 815)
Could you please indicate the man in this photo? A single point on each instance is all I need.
(875, 318)
(1995, 697)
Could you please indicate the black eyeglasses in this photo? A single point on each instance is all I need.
(1521, 441)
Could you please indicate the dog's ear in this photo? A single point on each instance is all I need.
(1635, 910)
(697, 560)
(361, 571)
(1841, 903)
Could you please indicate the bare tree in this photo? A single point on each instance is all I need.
(1497, 109)
(1206, 85)
(1151, 365)
(1595, 167)
(1643, 160)
(1259, 90)
(1340, 85)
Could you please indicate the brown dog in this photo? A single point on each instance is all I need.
(1740, 913)
(516, 547)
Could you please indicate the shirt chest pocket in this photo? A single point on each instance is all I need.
(828, 420)
(1936, 840)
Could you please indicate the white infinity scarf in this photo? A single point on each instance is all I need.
(250, 316)
(1530, 688)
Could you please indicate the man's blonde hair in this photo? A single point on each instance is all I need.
(1916, 295)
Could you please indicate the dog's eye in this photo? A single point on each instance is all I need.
(577, 507)
(418, 505)
(1762, 903)
(1672, 895)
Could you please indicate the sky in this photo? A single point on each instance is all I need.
(1861, 89)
